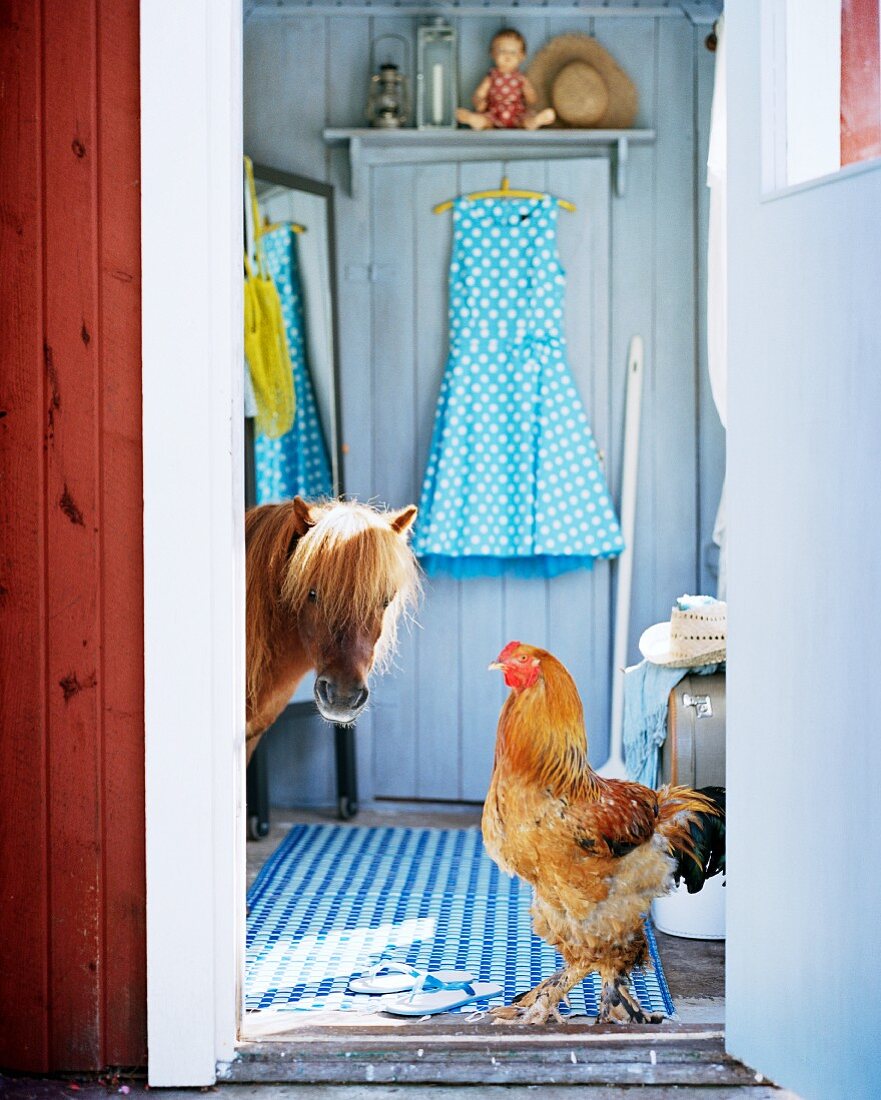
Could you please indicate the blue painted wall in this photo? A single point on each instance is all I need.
(804, 751)
(635, 265)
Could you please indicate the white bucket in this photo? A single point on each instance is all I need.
(699, 916)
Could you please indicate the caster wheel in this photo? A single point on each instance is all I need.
(257, 829)
(347, 808)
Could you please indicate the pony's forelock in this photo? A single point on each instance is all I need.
(354, 561)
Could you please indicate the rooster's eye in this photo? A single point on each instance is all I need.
(522, 657)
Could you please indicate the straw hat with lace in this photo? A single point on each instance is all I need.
(695, 635)
(583, 83)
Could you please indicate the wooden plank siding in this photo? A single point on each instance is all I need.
(72, 954)
(432, 725)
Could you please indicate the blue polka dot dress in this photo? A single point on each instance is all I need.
(513, 483)
(297, 462)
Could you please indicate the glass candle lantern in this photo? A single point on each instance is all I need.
(388, 100)
(436, 77)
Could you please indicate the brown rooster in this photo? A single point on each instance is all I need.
(596, 851)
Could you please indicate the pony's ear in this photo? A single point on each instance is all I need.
(402, 521)
(303, 518)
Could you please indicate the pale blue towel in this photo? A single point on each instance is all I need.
(647, 688)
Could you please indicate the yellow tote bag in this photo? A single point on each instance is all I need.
(266, 346)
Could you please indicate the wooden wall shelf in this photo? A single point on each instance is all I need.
(373, 147)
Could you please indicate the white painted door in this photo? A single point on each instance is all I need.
(804, 750)
(194, 568)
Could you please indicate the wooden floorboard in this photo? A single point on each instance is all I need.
(496, 1059)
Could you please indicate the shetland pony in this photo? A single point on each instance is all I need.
(326, 586)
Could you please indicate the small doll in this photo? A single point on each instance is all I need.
(504, 97)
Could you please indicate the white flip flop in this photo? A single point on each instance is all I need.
(389, 976)
(427, 999)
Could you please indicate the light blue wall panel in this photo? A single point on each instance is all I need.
(354, 227)
(285, 100)
(438, 730)
(804, 753)
(711, 434)
(393, 351)
(482, 614)
(431, 727)
(671, 411)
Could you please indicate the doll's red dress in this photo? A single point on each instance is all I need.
(505, 101)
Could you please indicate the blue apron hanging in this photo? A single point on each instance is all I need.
(513, 483)
(297, 463)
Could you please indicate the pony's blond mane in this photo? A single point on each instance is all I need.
(351, 556)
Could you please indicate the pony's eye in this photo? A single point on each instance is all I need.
(313, 596)
(387, 601)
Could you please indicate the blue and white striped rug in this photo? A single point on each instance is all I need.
(332, 900)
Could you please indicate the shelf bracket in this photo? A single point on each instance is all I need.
(356, 167)
(621, 151)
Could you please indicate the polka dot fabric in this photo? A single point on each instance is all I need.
(505, 102)
(297, 463)
(513, 483)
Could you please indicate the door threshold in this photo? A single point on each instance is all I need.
(482, 1053)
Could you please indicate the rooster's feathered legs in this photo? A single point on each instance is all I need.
(619, 1006)
(542, 1003)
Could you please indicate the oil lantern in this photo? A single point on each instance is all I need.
(388, 101)
(436, 77)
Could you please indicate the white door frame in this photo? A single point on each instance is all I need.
(194, 573)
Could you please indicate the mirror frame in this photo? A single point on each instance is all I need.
(317, 187)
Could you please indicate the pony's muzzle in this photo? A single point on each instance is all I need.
(339, 703)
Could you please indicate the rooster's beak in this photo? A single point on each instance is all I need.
(495, 666)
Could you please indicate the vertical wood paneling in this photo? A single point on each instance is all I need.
(632, 295)
(394, 352)
(435, 716)
(474, 36)
(73, 992)
(300, 761)
(120, 478)
(438, 727)
(24, 840)
(711, 434)
(632, 43)
(73, 530)
(525, 601)
(673, 382)
(482, 611)
(579, 605)
(348, 49)
(287, 77)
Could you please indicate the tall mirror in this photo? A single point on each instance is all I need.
(296, 235)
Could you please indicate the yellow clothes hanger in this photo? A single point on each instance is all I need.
(267, 226)
(504, 192)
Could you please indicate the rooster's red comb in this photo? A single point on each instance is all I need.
(507, 652)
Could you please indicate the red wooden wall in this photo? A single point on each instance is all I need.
(72, 882)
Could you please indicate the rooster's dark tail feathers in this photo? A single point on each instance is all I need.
(694, 824)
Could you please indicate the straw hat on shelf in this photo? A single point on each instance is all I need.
(583, 83)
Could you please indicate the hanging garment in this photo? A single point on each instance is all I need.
(266, 351)
(298, 462)
(513, 482)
